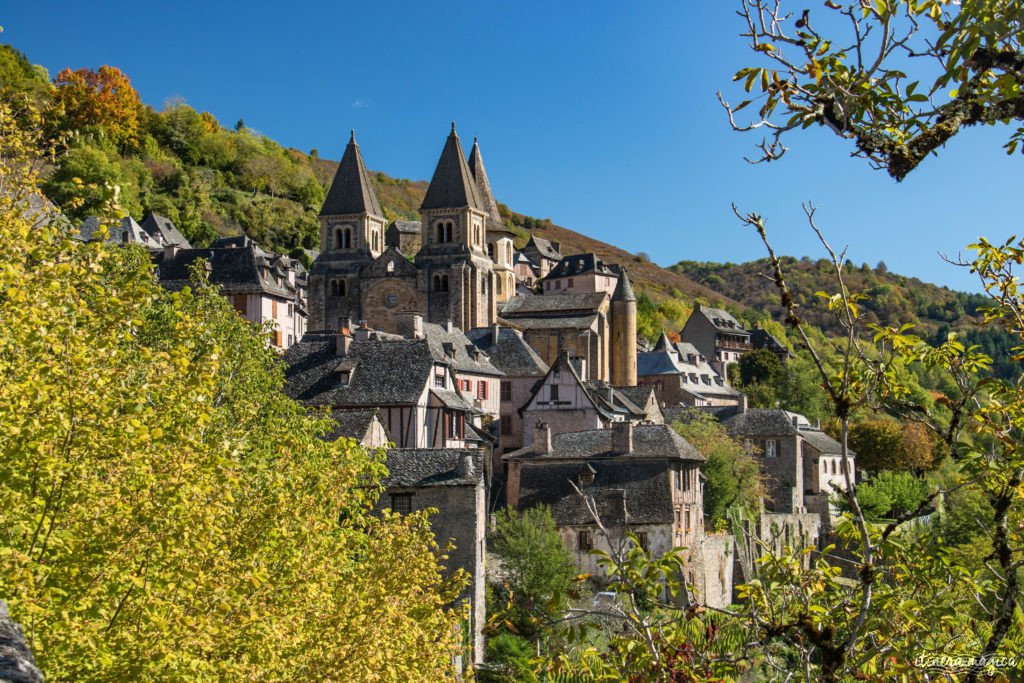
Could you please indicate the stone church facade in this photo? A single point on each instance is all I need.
(463, 267)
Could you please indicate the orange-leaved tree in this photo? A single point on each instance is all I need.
(100, 101)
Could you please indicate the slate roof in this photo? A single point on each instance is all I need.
(763, 339)
(592, 391)
(623, 290)
(450, 399)
(512, 355)
(764, 422)
(683, 359)
(638, 395)
(38, 210)
(382, 372)
(127, 231)
(722, 320)
(407, 227)
(483, 187)
(544, 247)
(822, 441)
(579, 264)
(352, 424)
(452, 185)
(163, 230)
(643, 486)
(444, 343)
(351, 191)
(235, 270)
(415, 467)
(578, 322)
(649, 441)
(553, 304)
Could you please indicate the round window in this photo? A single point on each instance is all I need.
(391, 300)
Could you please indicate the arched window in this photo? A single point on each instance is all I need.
(337, 288)
(440, 232)
(448, 231)
(490, 251)
(375, 240)
(499, 285)
(343, 238)
(444, 283)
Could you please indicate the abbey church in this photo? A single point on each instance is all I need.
(461, 273)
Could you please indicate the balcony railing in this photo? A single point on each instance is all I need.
(734, 346)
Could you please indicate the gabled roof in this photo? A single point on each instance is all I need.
(393, 258)
(353, 424)
(763, 339)
(543, 247)
(512, 355)
(553, 304)
(642, 487)
(639, 395)
(764, 422)
(483, 188)
(605, 407)
(416, 467)
(407, 227)
(163, 230)
(127, 231)
(649, 441)
(452, 185)
(351, 191)
(579, 264)
(824, 443)
(234, 269)
(455, 347)
(720, 319)
(312, 372)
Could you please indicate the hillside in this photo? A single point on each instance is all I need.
(895, 300)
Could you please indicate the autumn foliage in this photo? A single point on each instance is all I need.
(101, 99)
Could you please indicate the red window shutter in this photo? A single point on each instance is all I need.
(273, 308)
(277, 337)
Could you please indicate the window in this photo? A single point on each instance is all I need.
(291, 340)
(391, 266)
(834, 467)
(391, 301)
(506, 425)
(338, 288)
(401, 503)
(481, 390)
(584, 541)
(490, 251)
(291, 310)
(499, 285)
(440, 283)
(343, 378)
(439, 380)
(554, 392)
(684, 480)
(686, 519)
(769, 448)
(241, 303)
(641, 539)
(343, 238)
(444, 232)
(569, 285)
(558, 284)
(506, 391)
(374, 239)
(454, 424)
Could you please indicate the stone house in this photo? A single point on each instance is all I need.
(643, 479)
(717, 335)
(804, 465)
(761, 338)
(581, 273)
(681, 375)
(566, 402)
(597, 329)
(414, 390)
(526, 272)
(452, 481)
(261, 287)
(522, 367)
(542, 253)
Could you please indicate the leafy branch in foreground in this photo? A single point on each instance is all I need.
(877, 72)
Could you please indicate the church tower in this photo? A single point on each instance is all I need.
(453, 262)
(351, 236)
(623, 352)
(500, 248)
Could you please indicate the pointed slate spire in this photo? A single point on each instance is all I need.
(351, 192)
(663, 343)
(623, 290)
(452, 186)
(483, 188)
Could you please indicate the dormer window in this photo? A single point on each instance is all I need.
(586, 476)
(391, 266)
(343, 378)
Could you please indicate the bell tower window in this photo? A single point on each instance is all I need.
(343, 238)
(338, 288)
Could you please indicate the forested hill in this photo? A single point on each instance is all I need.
(894, 299)
(217, 180)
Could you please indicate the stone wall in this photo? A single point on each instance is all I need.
(712, 566)
(17, 664)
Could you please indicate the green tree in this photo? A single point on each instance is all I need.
(733, 477)
(169, 514)
(890, 445)
(84, 180)
(535, 562)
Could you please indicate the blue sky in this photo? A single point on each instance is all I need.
(599, 115)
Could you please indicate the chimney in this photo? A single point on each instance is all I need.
(342, 343)
(448, 326)
(170, 251)
(622, 438)
(410, 324)
(495, 332)
(743, 403)
(467, 466)
(344, 324)
(542, 438)
(796, 422)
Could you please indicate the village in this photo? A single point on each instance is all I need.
(503, 378)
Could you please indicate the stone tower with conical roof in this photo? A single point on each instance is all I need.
(351, 236)
(500, 247)
(454, 267)
(623, 329)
